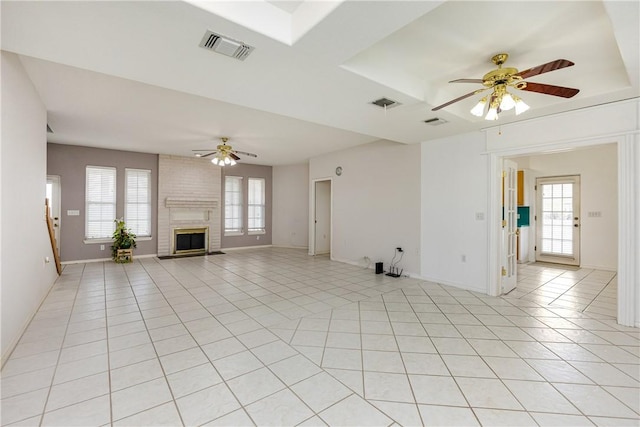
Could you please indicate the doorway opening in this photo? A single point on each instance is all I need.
(562, 192)
(53, 192)
(322, 231)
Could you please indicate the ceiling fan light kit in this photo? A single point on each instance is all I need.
(224, 155)
(502, 78)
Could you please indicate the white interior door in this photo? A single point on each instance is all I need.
(558, 219)
(322, 217)
(509, 225)
(53, 194)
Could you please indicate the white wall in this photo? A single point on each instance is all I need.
(598, 170)
(454, 190)
(25, 277)
(376, 202)
(290, 220)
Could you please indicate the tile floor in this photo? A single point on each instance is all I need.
(581, 289)
(275, 337)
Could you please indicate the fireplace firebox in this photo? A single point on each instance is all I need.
(190, 240)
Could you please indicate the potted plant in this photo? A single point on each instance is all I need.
(123, 238)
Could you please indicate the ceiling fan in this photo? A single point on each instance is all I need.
(502, 78)
(223, 154)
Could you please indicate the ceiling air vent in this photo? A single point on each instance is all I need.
(435, 121)
(225, 45)
(386, 103)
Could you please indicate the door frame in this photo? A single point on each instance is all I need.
(509, 269)
(628, 212)
(58, 194)
(312, 216)
(559, 259)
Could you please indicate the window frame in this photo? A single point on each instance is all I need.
(147, 172)
(262, 205)
(89, 203)
(239, 206)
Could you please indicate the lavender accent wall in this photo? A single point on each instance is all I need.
(247, 171)
(70, 162)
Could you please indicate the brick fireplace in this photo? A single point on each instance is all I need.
(189, 198)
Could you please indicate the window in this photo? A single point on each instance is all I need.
(137, 208)
(232, 205)
(256, 205)
(100, 202)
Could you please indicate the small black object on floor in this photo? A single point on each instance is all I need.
(190, 255)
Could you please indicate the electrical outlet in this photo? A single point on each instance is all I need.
(102, 247)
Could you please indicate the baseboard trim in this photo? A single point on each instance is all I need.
(239, 248)
(290, 247)
(82, 261)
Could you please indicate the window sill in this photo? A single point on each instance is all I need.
(253, 233)
(103, 241)
(234, 233)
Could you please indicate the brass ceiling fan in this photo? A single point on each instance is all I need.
(224, 155)
(501, 79)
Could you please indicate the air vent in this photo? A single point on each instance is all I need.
(385, 103)
(225, 46)
(436, 121)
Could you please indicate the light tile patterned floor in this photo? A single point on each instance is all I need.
(275, 337)
(583, 289)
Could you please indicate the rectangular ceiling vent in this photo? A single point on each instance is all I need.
(436, 121)
(225, 46)
(386, 103)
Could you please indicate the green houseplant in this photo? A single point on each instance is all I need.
(123, 238)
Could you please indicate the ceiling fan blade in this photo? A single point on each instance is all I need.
(233, 156)
(244, 153)
(545, 68)
(564, 92)
(466, 81)
(460, 98)
(207, 155)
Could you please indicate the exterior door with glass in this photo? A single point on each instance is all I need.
(558, 219)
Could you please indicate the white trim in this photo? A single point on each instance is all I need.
(239, 248)
(627, 215)
(103, 241)
(234, 233)
(82, 261)
(312, 216)
(493, 223)
(289, 247)
(256, 232)
(149, 215)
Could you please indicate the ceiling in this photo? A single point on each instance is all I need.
(130, 75)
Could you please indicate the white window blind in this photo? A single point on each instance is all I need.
(100, 202)
(233, 204)
(256, 204)
(137, 208)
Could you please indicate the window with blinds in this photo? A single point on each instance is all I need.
(256, 205)
(232, 205)
(100, 202)
(137, 207)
